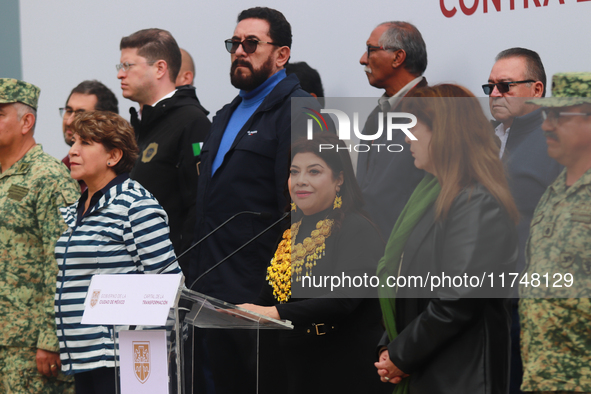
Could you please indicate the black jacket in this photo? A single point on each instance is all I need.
(168, 136)
(252, 177)
(457, 344)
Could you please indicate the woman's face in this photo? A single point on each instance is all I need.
(312, 185)
(420, 148)
(88, 160)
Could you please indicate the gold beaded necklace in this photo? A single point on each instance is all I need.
(292, 259)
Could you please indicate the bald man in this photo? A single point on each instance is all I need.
(187, 72)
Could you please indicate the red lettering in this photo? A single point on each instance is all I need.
(512, 5)
(471, 10)
(560, 1)
(578, 1)
(447, 13)
(496, 3)
(536, 3)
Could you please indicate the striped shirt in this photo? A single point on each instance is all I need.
(125, 231)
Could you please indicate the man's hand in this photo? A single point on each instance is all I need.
(48, 363)
(387, 370)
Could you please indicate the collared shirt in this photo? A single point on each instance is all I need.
(556, 336)
(96, 196)
(166, 96)
(503, 135)
(395, 99)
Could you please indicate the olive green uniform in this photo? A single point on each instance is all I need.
(31, 192)
(556, 332)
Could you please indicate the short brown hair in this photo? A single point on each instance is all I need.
(154, 45)
(112, 131)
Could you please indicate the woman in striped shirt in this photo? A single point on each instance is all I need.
(117, 227)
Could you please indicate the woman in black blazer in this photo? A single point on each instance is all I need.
(459, 222)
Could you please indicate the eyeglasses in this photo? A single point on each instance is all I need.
(502, 87)
(69, 111)
(552, 116)
(378, 48)
(249, 45)
(126, 66)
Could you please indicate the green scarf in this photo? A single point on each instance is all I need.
(420, 201)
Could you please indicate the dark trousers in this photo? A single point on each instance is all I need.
(97, 381)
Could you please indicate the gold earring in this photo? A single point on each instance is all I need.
(294, 207)
(338, 201)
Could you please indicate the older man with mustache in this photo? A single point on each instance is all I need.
(395, 61)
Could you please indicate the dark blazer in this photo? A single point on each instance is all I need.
(386, 179)
(252, 177)
(456, 343)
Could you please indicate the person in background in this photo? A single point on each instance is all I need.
(117, 227)
(518, 74)
(460, 220)
(555, 315)
(187, 72)
(33, 186)
(89, 95)
(395, 60)
(309, 79)
(170, 127)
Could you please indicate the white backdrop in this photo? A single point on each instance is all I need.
(67, 41)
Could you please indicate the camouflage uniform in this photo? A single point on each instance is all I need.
(31, 192)
(556, 332)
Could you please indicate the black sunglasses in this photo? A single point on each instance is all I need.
(502, 87)
(249, 45)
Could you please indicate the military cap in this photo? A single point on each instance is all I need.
(15, 91)
(568, 89)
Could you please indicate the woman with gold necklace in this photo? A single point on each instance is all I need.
(332, 347)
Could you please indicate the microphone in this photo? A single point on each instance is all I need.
(239, 249)
(263, 215)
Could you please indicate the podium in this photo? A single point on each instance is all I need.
(151, 316)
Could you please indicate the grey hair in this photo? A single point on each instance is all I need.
(405, 36)
(22, 110)
(534, 68)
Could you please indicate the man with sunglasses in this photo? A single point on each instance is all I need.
(518, 74)
(556, 315)
(170, 127)
(244, 167)
(395, 61)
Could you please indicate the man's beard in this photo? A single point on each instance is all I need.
(256, 77)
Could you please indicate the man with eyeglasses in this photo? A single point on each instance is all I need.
(395, 61)
(170, 127)
(244, 167)
(556, 315)
(89, 95)
(518, 74)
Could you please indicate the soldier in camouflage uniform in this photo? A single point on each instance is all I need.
(33, 186)
(556, 326)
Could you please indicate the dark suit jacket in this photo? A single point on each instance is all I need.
(456, 343)
(386, 179)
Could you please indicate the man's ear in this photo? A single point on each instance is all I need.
(399, 58)
(538, 89)
(28, 121)
(283, 55)
(161, 69)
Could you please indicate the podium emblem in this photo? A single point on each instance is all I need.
(95, 297)
(141, 360)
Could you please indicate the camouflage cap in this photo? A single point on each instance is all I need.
(568, 89)
(13, 91)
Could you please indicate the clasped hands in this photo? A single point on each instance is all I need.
(387, 370)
